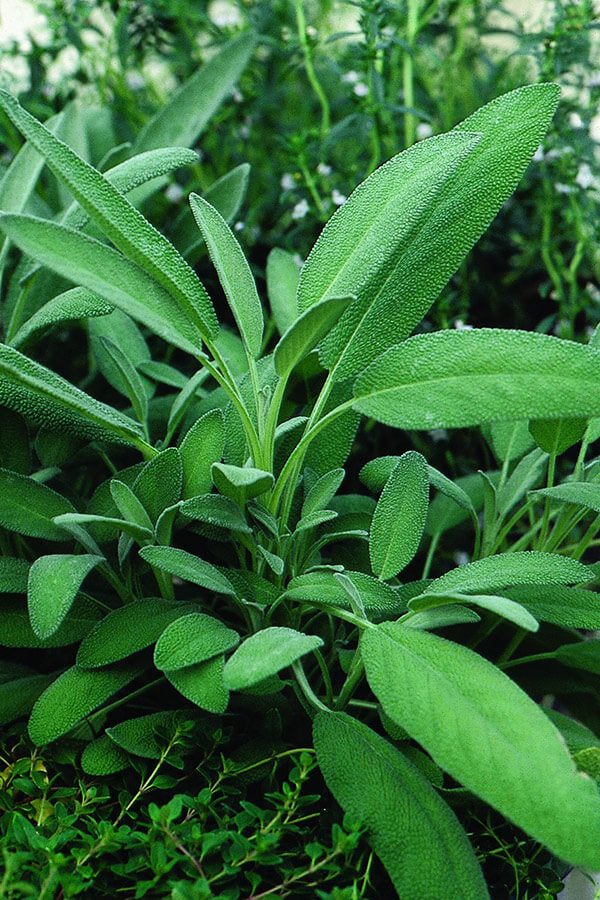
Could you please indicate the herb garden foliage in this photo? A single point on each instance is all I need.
(229, 469)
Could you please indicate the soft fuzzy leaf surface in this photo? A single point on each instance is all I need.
(399, 517)
(283, 274)
(569, 607)
(13, 575)
(103, 757)
(240, 484)
(28, 507)
(139, 736)
(202, 684)
(52, 587)
(414, 833)
(76, 303)
(452, 379)
(556, 437)
(487, 733)
(585, 494)
(201, 447)
(159, 484)
(306, 331)
(192, 639)
(502, 606)
(504, 569)
(266, 653)
(187, 566)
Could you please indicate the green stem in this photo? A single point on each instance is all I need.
(525, 659)
(310, 70)
(546, 516)
(354, 676)
(306, 688)
(412, 26)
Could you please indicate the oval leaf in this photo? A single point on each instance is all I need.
(266, 653)
(192, 639)
(52, 587)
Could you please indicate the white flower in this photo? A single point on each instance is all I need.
(350, 77)
(575, 120)
(135, 81)
(462, 326)
(338, 198)
(360, 89)
(584, 177)
(224, 14)
(238, 226)
(311, 31)
(424, 130)
(564, 188)
(538, 155)
(438, 434)
(287, 181)
(174, 193)
(298, 260)
(323, 169)
(300, 209)
(237, 97)
(594, 80)
(461, 558)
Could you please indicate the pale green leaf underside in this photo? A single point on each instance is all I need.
(453, 379)
(504, 569)
(76, 303)
(187, 566)
(266, 653)
(415, 834)
(487, 733)
(306, 332)
(282, 274)
(502, 606)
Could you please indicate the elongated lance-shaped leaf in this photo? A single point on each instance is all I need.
(122, 223)
(361, 247)
(581, 493)
(47, 398)
(283, 274)
(487, 733)
(52, 587)
(28, 507)
(306, 332)
(399, 517)
(431, 215)
(187, 113)
(234, 272)
(192, 639)
(105, 271)
(502, 606)
(415, 834)
(521, 567)
(76, 303)
(452, 379)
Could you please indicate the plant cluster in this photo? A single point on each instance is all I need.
(200, 546)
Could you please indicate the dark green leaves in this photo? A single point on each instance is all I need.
(452, 379)
(28, 507)
(415, 834)
(192, 639)
(496, 741)
(53, 584)
(399, 516)
(265, 653)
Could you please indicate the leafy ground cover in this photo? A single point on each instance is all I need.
(298, 581)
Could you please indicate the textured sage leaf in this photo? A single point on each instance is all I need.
(184, 117)
(322, 491)
(159, 484)
(17, 697)
(527, 473)
(106, 272)
(581, 655)
(42, 395)
(234, 272)
(433, 213)
(306, 331)
(139, 736)
(183, 401)
(215, 510)
(502, 606)
(266, 653)
(365, 249)
(16, 630)
(202, 684)
(585, 494)
(226, 195)
(283, 274)
(314, 519)
(443, 617)
(52, 587)
(127, 630)
(73, 696)
(29, 508)
(577, 736)
(102, 757)
(76, 303)
(445, 513)
(510, 440)
(452, 379)
(522, 567)
(495, 740)
(13, 575)
(162, 372)
(122, 331)
(240, 484)
(192, 639)
(414, 833)
(189, 567)
(399, 517)
(557, 436)
(131, 508)
(321, 589)
(568, 607)
(138, 532)
(134, 386)
(122, 223)
(201, 447)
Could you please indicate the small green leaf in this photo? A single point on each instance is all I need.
(234, 272)
(266, 653)
(192, 639)
(76, 303)
(322, 491)
(202, 684)
(569, 607)
(502, 606)
(17, 697)
(189, 567)
(521, 567)
(73, 696)
(159, 484)
(283, 274)
(137, 532)
(240, 484)
(215, 510)
(103, 757)
(128, 504)
(52, 587)
(127, 630)
(557, 436)
(306, 332)
(407, 820)
(139, 736)
(585, 494)
(321, 589)
(453, 379)
(134, 385)
(584, 655)
(399, 517)
(29, 508)
(16, 630)
(201, 447)
(496, 742)
(509, 440)
(13, 575)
